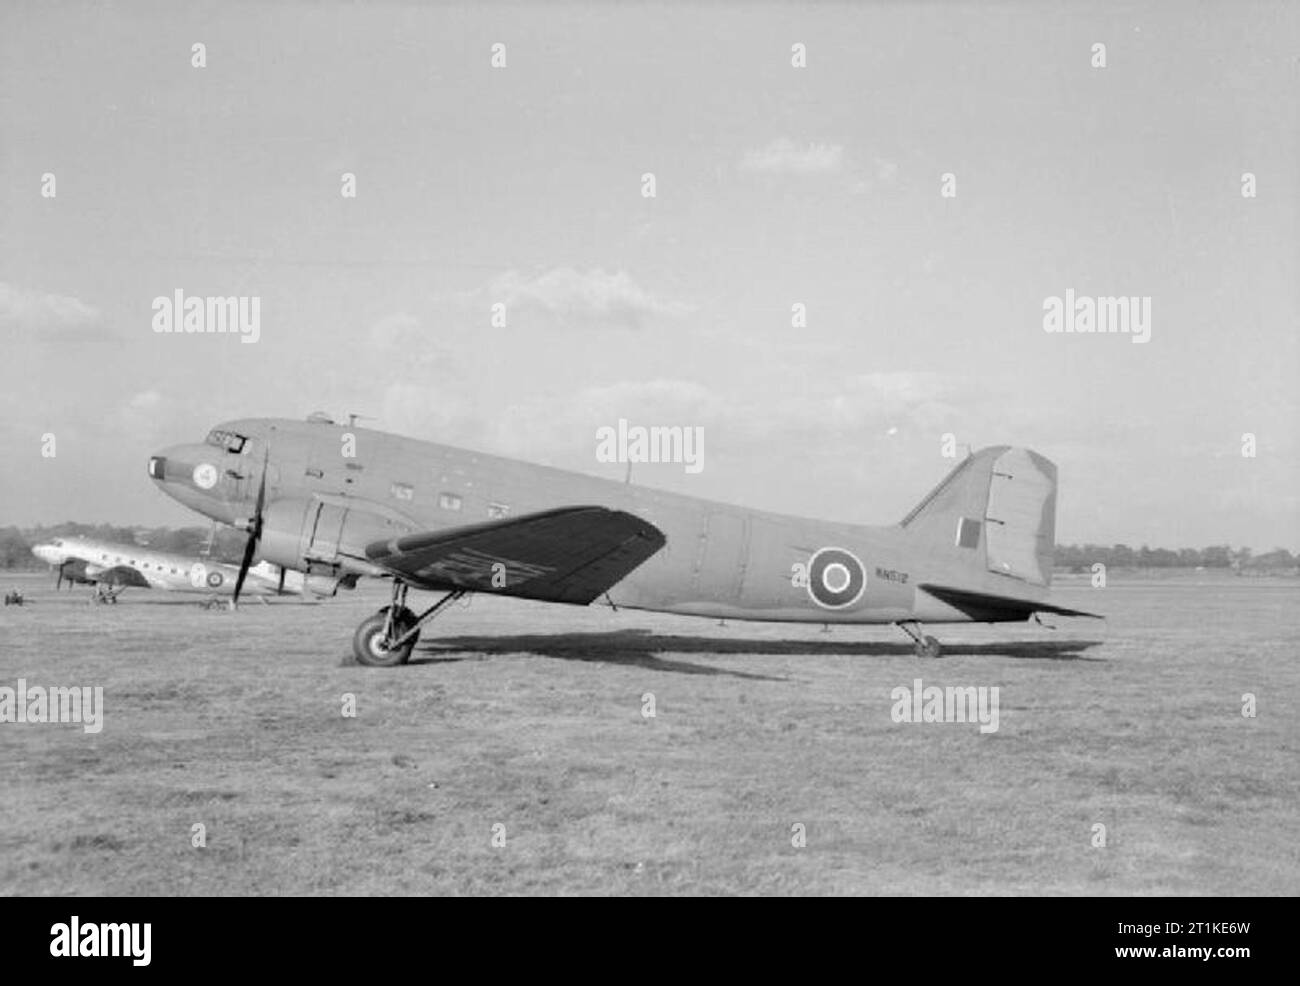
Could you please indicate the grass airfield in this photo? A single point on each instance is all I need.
(522, 723)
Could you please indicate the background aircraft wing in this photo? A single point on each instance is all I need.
(122, 575)
(567, 555)
(986, 607)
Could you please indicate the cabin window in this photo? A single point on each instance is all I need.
(449, 501)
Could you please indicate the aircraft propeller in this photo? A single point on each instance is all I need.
(254, 532)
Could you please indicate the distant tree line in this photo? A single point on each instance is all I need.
(1081, 557)
(228, 546)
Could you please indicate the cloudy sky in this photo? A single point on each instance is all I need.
(774, 186)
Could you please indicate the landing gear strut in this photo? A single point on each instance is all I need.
(926, 646)
(387, 638)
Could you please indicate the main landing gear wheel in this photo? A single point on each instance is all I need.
(388, 637)
(928, 647)
(373, 642)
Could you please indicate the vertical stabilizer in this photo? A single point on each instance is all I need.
(996, 511)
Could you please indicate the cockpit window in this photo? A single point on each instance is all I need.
(228, 440)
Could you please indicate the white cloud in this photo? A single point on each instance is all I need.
(145, 401)
(785, 157)
(34, 308)
(395, 330)
(578, 297)
(657, 401)
(881, 173)
(145, 414)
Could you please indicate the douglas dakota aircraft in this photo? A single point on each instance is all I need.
(977, 548)
(112, 567)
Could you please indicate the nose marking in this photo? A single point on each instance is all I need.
(205, 475)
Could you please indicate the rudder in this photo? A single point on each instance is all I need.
(998, 508)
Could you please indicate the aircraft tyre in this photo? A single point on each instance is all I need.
(370, 647)
(929, 647)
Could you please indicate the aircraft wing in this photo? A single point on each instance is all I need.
(567, 555)
(121, 575)
(986, 607)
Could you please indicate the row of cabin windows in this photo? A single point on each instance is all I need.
(447, 501)
(161, 568)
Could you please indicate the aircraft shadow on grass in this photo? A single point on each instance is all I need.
(643, 648)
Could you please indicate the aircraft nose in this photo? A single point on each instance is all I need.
(173, 463)
(192, 475)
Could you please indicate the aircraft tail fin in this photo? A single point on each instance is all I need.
(996, 509)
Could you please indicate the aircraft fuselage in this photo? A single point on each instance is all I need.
(331, 490)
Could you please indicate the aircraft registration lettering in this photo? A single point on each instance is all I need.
(891, 575)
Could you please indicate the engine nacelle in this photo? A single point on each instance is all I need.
(281, 542)
(326, 536)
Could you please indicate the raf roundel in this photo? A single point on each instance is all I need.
(205, 475)
(215, 579)
(836, 578)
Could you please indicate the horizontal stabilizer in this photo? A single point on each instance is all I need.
(568, 555)
(983, 607)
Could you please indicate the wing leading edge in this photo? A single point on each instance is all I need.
(566, 555)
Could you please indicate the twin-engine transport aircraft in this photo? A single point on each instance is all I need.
(337, 503)
(112, 567)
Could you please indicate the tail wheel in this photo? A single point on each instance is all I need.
(371, 645)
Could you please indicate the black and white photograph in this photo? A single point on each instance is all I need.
(650, 449)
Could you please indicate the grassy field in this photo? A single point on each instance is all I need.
(528, 718)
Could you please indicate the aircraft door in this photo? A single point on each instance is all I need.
(721, 572)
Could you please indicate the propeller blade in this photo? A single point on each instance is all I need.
(254, 534)
(279, 590)
(250, 549)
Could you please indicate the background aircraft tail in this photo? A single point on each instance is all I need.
(997, 509)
